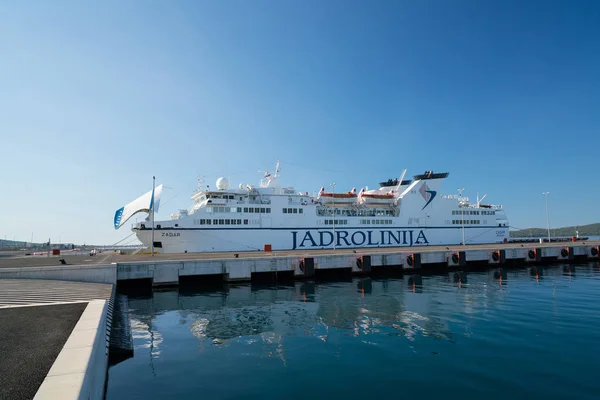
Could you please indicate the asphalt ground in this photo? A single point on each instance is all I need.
(30, 340)
(112, 257)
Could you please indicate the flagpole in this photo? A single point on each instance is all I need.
(152, 202)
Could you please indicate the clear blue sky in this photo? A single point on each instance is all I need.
(96, 97)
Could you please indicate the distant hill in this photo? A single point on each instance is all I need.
(584, 230)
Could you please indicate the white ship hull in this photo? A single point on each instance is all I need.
(214, 240)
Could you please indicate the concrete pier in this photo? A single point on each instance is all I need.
(171, 269)
(364, 261)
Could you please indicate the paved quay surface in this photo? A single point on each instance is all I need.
(14, 292)
(36, 319)
(19, 261)
(111, 257)
(30, 340)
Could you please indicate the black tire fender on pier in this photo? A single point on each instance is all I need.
(564, 252)
(455, 258)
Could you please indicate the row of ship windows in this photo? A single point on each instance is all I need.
(230, 197)
(471, 212)
(220, 222)
(354, 213)
(336, 222)
(376, 221)
(326, 222)
(292, 211)
(260, 210)
(362, 221)
(266, 210)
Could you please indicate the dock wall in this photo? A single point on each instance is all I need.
(363, 261)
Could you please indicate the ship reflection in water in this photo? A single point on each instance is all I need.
(477, 331)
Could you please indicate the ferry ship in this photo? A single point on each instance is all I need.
(401, 212)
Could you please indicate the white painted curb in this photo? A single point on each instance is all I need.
(79, 371)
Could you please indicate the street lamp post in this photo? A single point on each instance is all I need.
(462, 213)
(547, 215)
(333, 203)
(152, 211)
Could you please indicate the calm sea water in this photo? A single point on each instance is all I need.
(494, 334)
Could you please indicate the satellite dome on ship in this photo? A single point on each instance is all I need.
(222, 183)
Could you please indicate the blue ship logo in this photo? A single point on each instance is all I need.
(427, 194)
(432, 194)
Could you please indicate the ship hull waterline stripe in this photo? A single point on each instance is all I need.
(323, 229)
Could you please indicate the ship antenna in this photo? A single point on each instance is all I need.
(277, 169)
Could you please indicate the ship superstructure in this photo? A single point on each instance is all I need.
(401, 212)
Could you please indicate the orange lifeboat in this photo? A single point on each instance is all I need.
(338, 198)
(375, 197)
